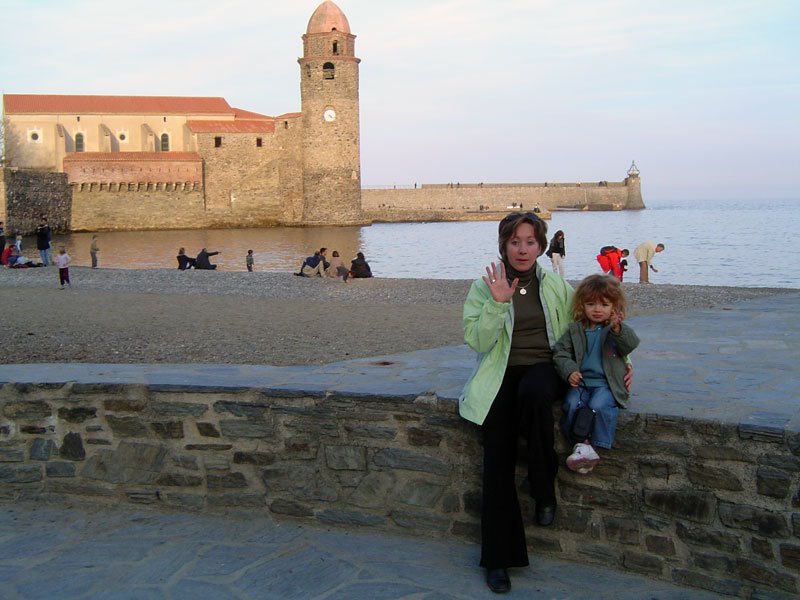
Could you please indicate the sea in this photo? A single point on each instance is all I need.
(747, 243)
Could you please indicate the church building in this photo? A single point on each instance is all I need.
(170, 162)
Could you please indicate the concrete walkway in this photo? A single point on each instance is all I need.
(735, 365)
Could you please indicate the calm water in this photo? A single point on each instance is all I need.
(707, 243)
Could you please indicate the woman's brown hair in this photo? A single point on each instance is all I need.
(509, 224)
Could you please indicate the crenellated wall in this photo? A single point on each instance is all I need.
(695, 502)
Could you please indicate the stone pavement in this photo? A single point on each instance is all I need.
(736, 365)
(91, 553)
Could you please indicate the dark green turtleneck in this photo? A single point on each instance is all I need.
(529, 344)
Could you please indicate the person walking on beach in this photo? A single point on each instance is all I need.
(93, 250)
(249, 261)
(591, 357)
(63, 260)
(644, 254)
(556, 252)
(43, 238)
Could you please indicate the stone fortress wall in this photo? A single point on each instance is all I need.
(694, 502)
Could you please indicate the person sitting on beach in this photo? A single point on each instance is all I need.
(313, 266)
(359, 267)
(185, 262)
(202, 262)
(17, 261)
(7, 253)
(337, 268)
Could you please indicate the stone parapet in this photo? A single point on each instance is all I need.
(695, 502)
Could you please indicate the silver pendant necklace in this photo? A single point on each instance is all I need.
(524, 290)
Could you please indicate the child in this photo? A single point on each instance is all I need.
(591, 356)
(62, 260)
(249, 261)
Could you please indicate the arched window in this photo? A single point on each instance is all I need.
(79, 142)
(327, 71)
(164, 142)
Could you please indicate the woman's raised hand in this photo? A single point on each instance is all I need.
(501, 289)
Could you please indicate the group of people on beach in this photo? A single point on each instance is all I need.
(612, 260)
(318, 265)
(12, 257)
(539, 342)
(201, 262)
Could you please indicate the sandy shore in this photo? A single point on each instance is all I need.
(170, 316)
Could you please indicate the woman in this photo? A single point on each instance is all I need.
(512, 318)
(359, 267)
(337, 268)
(556, 252)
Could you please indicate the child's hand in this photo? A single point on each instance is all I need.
(575, 378)
(616, 320)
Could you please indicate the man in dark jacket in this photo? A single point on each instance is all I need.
(202, 261)
(43, 237)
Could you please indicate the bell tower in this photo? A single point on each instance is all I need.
(329, 103)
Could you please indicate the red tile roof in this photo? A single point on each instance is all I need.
(157, 105)
(131, 156)
(231, 126)
(248, 114)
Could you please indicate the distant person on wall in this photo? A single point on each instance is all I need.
(202, 261)
(337, 268)
(93, 250)
(249, 261)
(43, 238)
(63, 260)
(591, 356)
(359, 267)
(313, 266)
(185, 262)
(644, 254)
(556, 252)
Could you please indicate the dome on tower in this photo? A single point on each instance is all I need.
(328, 17)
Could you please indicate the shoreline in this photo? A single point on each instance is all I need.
(266, 318)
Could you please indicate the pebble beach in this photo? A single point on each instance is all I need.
(264, 318)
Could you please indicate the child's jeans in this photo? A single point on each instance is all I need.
(599, 399)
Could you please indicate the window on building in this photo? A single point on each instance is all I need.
(259, 143)
(79, 142)
(327, 71)
(286, 124)
(164, 142)
(336, 47)
(34, 136)
(217, 142)
(308, 70)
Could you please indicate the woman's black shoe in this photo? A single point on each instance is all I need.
(498, 581)
(545, 514)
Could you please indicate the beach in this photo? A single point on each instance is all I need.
(263, 318)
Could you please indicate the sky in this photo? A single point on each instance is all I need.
(704, 96)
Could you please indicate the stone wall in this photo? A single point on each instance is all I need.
(693, 502)
(26, 195)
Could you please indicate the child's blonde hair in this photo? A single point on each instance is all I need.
(597, 287)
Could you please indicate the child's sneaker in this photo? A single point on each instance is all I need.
(583, 458)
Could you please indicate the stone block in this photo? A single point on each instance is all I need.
(127, 426)
(450, 503)
(772, 482)
(179, 480)
(17, 454)
(291, 508)
(750, 570)
(98, 442)
(790, 556)
(168, 430)
(190, 502)
(750, 518)
(349, 517)
(185, 461)
(420, 492)
(60, 468)
(420, 521)
(713, 477)
(656, 468)
(621, 530)
(209, 447)
(161, 408)
(658, 448)
(646, 564)
(693, 535)
(397, 458)
(27, 410)
(423, 437)
(594, 497)
(715, 563)
(761, 433)
(656, 523)
(143, 497)
(208, 430)
(216, 462)
(251, 410)
(660, 425)
(226, 481)
(20, 473)
(125, 404)
(41, 449)
(72, 447)
(695, 506)
(374, 489)
(544, 543)
(727, 587)
(601, 553)
(784, 462)
(131, 462)
(657, 544)
(254, 458)
(352, 458)
(375, 432)
(35, 429)
(247, 429)
(762, 548)
(301, 447)
(236, 500)
(467, 529)
(78, 414)
(575, 519)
